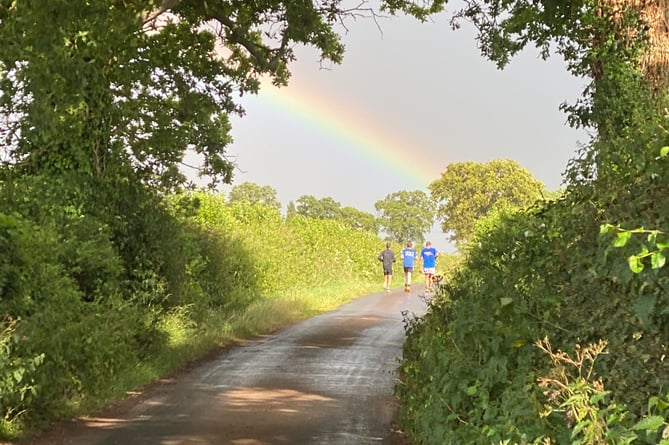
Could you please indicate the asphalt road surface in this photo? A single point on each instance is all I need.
(327, 380)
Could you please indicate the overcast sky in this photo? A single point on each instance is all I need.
(406, 101)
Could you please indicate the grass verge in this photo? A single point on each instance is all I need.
(190, 341)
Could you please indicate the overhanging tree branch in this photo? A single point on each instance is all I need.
(163, 8)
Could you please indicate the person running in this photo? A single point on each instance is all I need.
(408, 259)
(387, 257)
(429, 256)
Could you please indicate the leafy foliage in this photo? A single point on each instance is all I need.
(103, 105)
(134, 86)
(406, 215)
(285, 250)
(17, 385)
(328, 208)
(318, 208)
(359, 219)
(468, 191)
(566, 270)
(254, 194)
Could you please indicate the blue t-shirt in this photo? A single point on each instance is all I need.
(429, 256)
(409, 256)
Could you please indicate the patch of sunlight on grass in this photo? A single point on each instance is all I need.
(178, 326)
(268, 314)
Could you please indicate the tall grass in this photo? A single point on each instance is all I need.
(189, 342)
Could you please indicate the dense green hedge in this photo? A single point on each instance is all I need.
(471, 371)
(94, 275)
(293, 253)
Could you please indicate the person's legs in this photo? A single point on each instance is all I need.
(429, 277)
(407, 276)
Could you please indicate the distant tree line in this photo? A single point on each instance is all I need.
(463, 194)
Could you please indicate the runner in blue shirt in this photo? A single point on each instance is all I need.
(429, 256)
(408, 259)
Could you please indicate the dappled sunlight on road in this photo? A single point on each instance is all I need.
(258, 400)
(326, 380)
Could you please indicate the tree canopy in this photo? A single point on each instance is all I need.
(359, 220)
(468, 191)
(604, 41)
(253, 193)
(144, 87)
(328, 208)
(406, 215)
(318, 208)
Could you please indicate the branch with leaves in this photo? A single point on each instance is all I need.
(654, 249)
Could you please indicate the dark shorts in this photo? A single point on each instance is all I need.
(388, 271)
(408, 269)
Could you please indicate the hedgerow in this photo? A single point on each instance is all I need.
(92, 295)
(582, 269)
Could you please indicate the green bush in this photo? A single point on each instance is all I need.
(17, 380)
(470, 369)
(283, 255)
(538, 273)
(228, 274)
(98, 294)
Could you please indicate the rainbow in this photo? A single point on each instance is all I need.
(360, 135)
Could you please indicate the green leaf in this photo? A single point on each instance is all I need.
(579, 427)
(662, 404)
(635, 263)
(664, 151)
(657, 260)
(622, 238)
(505, 301)
(599, 396)
(662, 246)
(607, 228)
(651, 423)
(18, 375)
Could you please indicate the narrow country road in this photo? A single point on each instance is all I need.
(327, 380)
